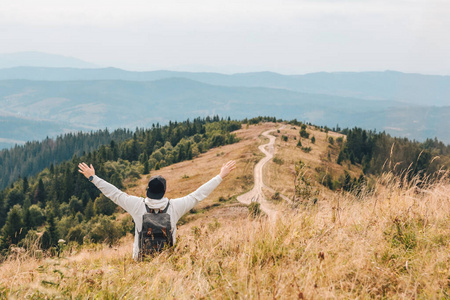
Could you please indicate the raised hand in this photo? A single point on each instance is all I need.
(227, 168)
(86, 170)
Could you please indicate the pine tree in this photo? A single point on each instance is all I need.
(39, 193)
(12, 231)
(51, 230)
(340, 158)
(85, 197)
(146, 168)
(25, 185)
(2, 210)
(26, 217)
(347, 181)
(89, 210)
(15, 196)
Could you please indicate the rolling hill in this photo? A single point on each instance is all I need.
(72, 105)
(414, 89)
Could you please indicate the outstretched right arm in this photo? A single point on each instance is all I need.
(129, 203)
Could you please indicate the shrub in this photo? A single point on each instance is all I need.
(304, 134)
(306, 149)
(76, 234)
(36, 216)
(103, 229)
(254, 209)
(75, 204)
(278, 160)
(276, 196)
(104, 206)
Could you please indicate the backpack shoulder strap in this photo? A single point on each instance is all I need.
(167, 207)
(149, 210)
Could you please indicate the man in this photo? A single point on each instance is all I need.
(155, 200)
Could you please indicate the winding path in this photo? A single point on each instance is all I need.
(256, 194)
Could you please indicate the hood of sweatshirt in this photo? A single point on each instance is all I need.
(157, 203)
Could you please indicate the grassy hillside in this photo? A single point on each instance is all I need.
(389, 241)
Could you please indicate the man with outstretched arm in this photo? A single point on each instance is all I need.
(155, 200)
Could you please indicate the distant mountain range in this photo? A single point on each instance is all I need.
(392, 86)
(44, 95)
(39, 59)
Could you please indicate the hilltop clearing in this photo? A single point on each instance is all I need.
(387, 241)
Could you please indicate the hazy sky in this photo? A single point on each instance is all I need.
(284, 36)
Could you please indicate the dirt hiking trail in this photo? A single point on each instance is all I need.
(256, 194)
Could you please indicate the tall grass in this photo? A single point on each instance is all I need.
(391, 241)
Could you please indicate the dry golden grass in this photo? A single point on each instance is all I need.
(392, 242)
(280, 177)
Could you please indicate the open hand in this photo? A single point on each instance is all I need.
(227, 168)
(86, 170)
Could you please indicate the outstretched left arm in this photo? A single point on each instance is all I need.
(129, 203)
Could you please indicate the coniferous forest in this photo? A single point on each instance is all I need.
(33, 157)
(379, 152)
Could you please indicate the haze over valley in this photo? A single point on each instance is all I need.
(36, 102)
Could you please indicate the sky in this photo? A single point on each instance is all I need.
(230, 36)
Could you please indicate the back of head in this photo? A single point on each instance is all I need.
(156, 187)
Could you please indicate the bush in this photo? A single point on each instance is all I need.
(278, 160)
(284, 138)
(65, 224)
(306, 149)
(304, 134)
(75, 204)
(103, 229)
(127, 225)
(31, 240)
(254, 209)
(104, 206)
(76, 234)
(36, 216)
(276, 196)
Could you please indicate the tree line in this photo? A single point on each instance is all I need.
(31, 158)
(379, 152)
